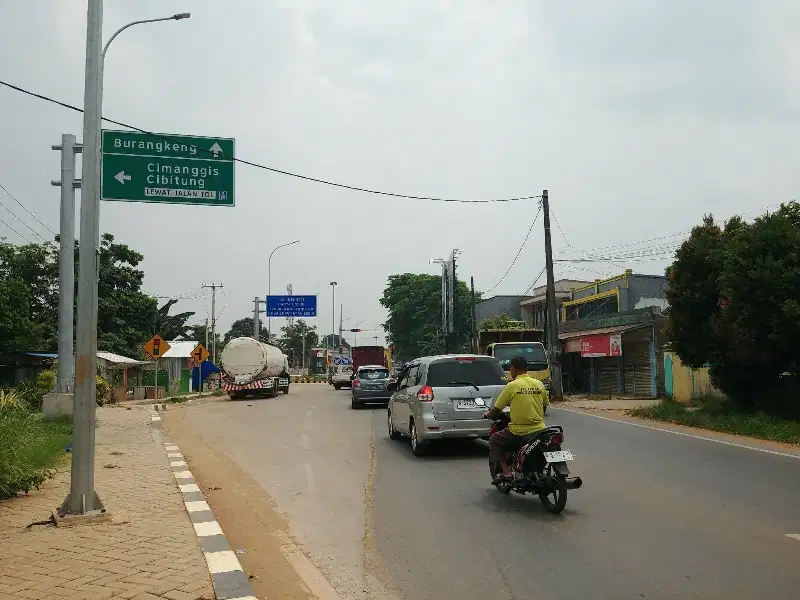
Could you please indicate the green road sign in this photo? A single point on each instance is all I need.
(167, 168)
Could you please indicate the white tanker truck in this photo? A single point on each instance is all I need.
(250, 367)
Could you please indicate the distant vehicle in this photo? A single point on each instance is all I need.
(533, 352)
(250, 367)
(371, 384)
(341, 376)
(443, 397)
(367, 355)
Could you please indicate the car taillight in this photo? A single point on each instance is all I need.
(425, 394)
(557, 439)
(356, 383)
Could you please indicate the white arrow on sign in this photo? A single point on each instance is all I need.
(216, 149)
(122, 178)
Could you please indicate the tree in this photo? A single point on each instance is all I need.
(414, 303)
(734, 296)
(292, 340)
(332, 340)
(171, 327)
(244, 328)
(502, 321)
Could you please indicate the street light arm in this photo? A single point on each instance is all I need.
(176, 17)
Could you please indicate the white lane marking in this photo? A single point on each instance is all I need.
(794, 536)
(690, 435)
(170, 447)
(207, 528)
(304, 440)
(189, 487)
(175, 455)
(308, 414)
(311, 576)
(197, 506)
(154, 418)
(177, 463)
(182, 474)
(312, 486)
(313, 406)
(222, 562)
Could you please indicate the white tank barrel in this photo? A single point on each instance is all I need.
(245, 360)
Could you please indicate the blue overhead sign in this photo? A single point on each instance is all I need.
(291, 306)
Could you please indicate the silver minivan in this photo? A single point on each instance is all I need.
(444, 397)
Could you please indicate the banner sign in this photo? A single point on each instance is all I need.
(291, 306)
(605, 344)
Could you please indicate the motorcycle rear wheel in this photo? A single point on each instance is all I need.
(494, 471)
(557, 504)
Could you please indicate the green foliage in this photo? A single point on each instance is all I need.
(734, 298)
(502, 321)
(103, 390)
(414, 303)
(31, 448)
(332, 340)
(291, 341)
(244, 328)
(11, 399)
(723, 416)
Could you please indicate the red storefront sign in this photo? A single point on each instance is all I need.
(604, 344)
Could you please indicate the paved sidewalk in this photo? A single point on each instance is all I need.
(149, 551)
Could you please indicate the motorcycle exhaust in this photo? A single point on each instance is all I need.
(573, 483)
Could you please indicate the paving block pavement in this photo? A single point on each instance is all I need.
(148, 551)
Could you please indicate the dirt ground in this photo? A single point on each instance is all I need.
(245, 512)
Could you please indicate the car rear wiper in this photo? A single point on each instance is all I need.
(464, 383)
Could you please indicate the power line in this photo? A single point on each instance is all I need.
(273, 169)
(10, 195)
(15, 231)
(535, 281)
(9, 211)
(513, 262)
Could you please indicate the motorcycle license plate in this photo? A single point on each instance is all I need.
(559, 456)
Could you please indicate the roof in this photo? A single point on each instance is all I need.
(618, 329)
(180, 349)
(118, 359)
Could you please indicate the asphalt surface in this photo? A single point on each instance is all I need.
(660, 515)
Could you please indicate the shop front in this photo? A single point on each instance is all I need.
(611, 360)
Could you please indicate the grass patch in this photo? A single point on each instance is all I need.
(177, 399)
(30, 450)
(218, 393)
(718, 414)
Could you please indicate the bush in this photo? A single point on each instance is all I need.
(722, 415)
(31, 448)
(11, 400)
(103, 391)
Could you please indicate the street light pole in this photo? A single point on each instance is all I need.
(269, 283)
(333, 313)
(82, 498)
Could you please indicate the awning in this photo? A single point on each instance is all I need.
(605, 330)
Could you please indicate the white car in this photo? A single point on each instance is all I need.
(342, 376)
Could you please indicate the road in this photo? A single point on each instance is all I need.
(660, 515)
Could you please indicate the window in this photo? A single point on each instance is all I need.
(534, 354)
(593, 308)
(478, 371)
(369, 374)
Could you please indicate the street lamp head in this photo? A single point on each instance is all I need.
(180, 16)
(334, 283)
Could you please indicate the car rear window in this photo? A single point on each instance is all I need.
(479, 372)
(373, 374)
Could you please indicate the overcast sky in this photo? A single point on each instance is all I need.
(638, 116)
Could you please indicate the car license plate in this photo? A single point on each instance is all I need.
(466, 403)
(559, 456)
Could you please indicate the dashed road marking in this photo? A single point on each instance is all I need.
(684, 434)
(189, 487)
(310, 483)
(177, 463)
(197, 506)
(308, 414)
(175, 455)
(222, 562)
(305, 441)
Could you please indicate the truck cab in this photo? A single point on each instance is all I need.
(534, 353)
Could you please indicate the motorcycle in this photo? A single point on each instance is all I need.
(538, 467)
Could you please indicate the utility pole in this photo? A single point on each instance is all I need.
(341, 339)
(213, 287)
(206, 333)
(473, 336)
(333, 314)
(257, 302)
(553, 350)
(289, 293)
(65, 382)
(83, 498)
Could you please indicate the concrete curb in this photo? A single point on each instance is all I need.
(227, 576)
